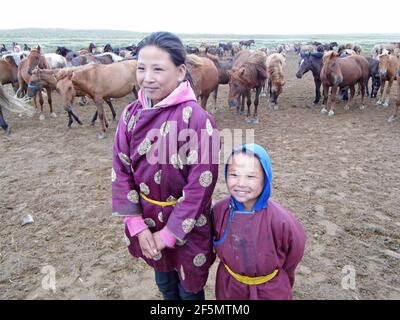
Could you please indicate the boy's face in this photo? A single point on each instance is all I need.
(245, 179)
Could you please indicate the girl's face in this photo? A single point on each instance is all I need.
(245, 179)
(156, 73)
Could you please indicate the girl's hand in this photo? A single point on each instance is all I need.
(159, 242)
(147, 244)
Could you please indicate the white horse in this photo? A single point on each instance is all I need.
(55, 61)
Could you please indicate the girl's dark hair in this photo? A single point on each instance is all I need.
(170, 43)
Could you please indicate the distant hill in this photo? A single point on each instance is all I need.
(49, 39)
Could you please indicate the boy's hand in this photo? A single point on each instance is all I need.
(147, 244)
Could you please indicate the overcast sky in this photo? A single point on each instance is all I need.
(207, 16)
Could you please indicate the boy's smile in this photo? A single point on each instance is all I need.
(245, 179)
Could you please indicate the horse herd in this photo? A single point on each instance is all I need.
(104, 76)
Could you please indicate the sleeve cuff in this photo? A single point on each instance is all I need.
(135, 225)
(167, 237)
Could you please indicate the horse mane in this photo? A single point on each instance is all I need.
(275, 64)
(193, 60)
(252, 69)
(329, 55)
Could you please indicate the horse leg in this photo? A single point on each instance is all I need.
(317, 91)
(381, 98)
(100, 110)
(352, 92)
(366, 87)
(108, 101)
(362, 87)
(325, 100)
(333, 100)
(204, 99)
(41, 101)
(389, 87)
(49, 100)
(215, 95)
(256, 102)
(248, 97)
(135, 94)
(71, 116)
(3, 123)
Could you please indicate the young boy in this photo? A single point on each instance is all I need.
(258, 241)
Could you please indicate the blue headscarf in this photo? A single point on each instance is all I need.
(262, 155)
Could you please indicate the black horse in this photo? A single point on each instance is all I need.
(373, 66)
(312, 61)
(63, 51)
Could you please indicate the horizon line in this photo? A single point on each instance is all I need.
(205, 34)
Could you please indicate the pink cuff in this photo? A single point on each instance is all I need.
(167, 237)
(135, 225)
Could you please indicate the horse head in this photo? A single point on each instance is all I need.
(236, 87)
(331, 71)
(304, 64)
(384, 60)
(34, 84)
(65, 87)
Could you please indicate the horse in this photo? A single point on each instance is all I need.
(275, 64)
(63, 51)
(249, 71)
(246, 43)
(103, 58)
(35, 59)
(9, 72)
(388, 67)
(397, 105)
(205, 77)
(13, 105)
(312, 61)
(373, 67)
(98, 82)
(341, 73)
(55, 60)
(351, 46)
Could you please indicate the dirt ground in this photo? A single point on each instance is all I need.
(339, 175)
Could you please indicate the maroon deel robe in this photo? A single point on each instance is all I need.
(256, 245)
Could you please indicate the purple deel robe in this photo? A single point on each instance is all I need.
(256, 245)
(188, 176)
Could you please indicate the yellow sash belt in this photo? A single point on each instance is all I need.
(158, 203)
(251, 280)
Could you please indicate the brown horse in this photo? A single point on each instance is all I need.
(341, 73)
(25, 68)
(396, 108)
(389, 64)
(9, 72)
(248, 72)
(98, 82)
(205, 77)
(275, 63)
(246, 43)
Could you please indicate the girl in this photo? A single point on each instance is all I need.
(161, 182)
(258, 242)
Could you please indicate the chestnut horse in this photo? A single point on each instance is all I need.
(9, 72)
(25, 68)
(205, 77)
(275, 63)
(389, 64)
(98, 81)
(340, 73)
(396, 107)
(248, 72)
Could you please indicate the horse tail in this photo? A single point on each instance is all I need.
(14, 105)
(194, 60)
